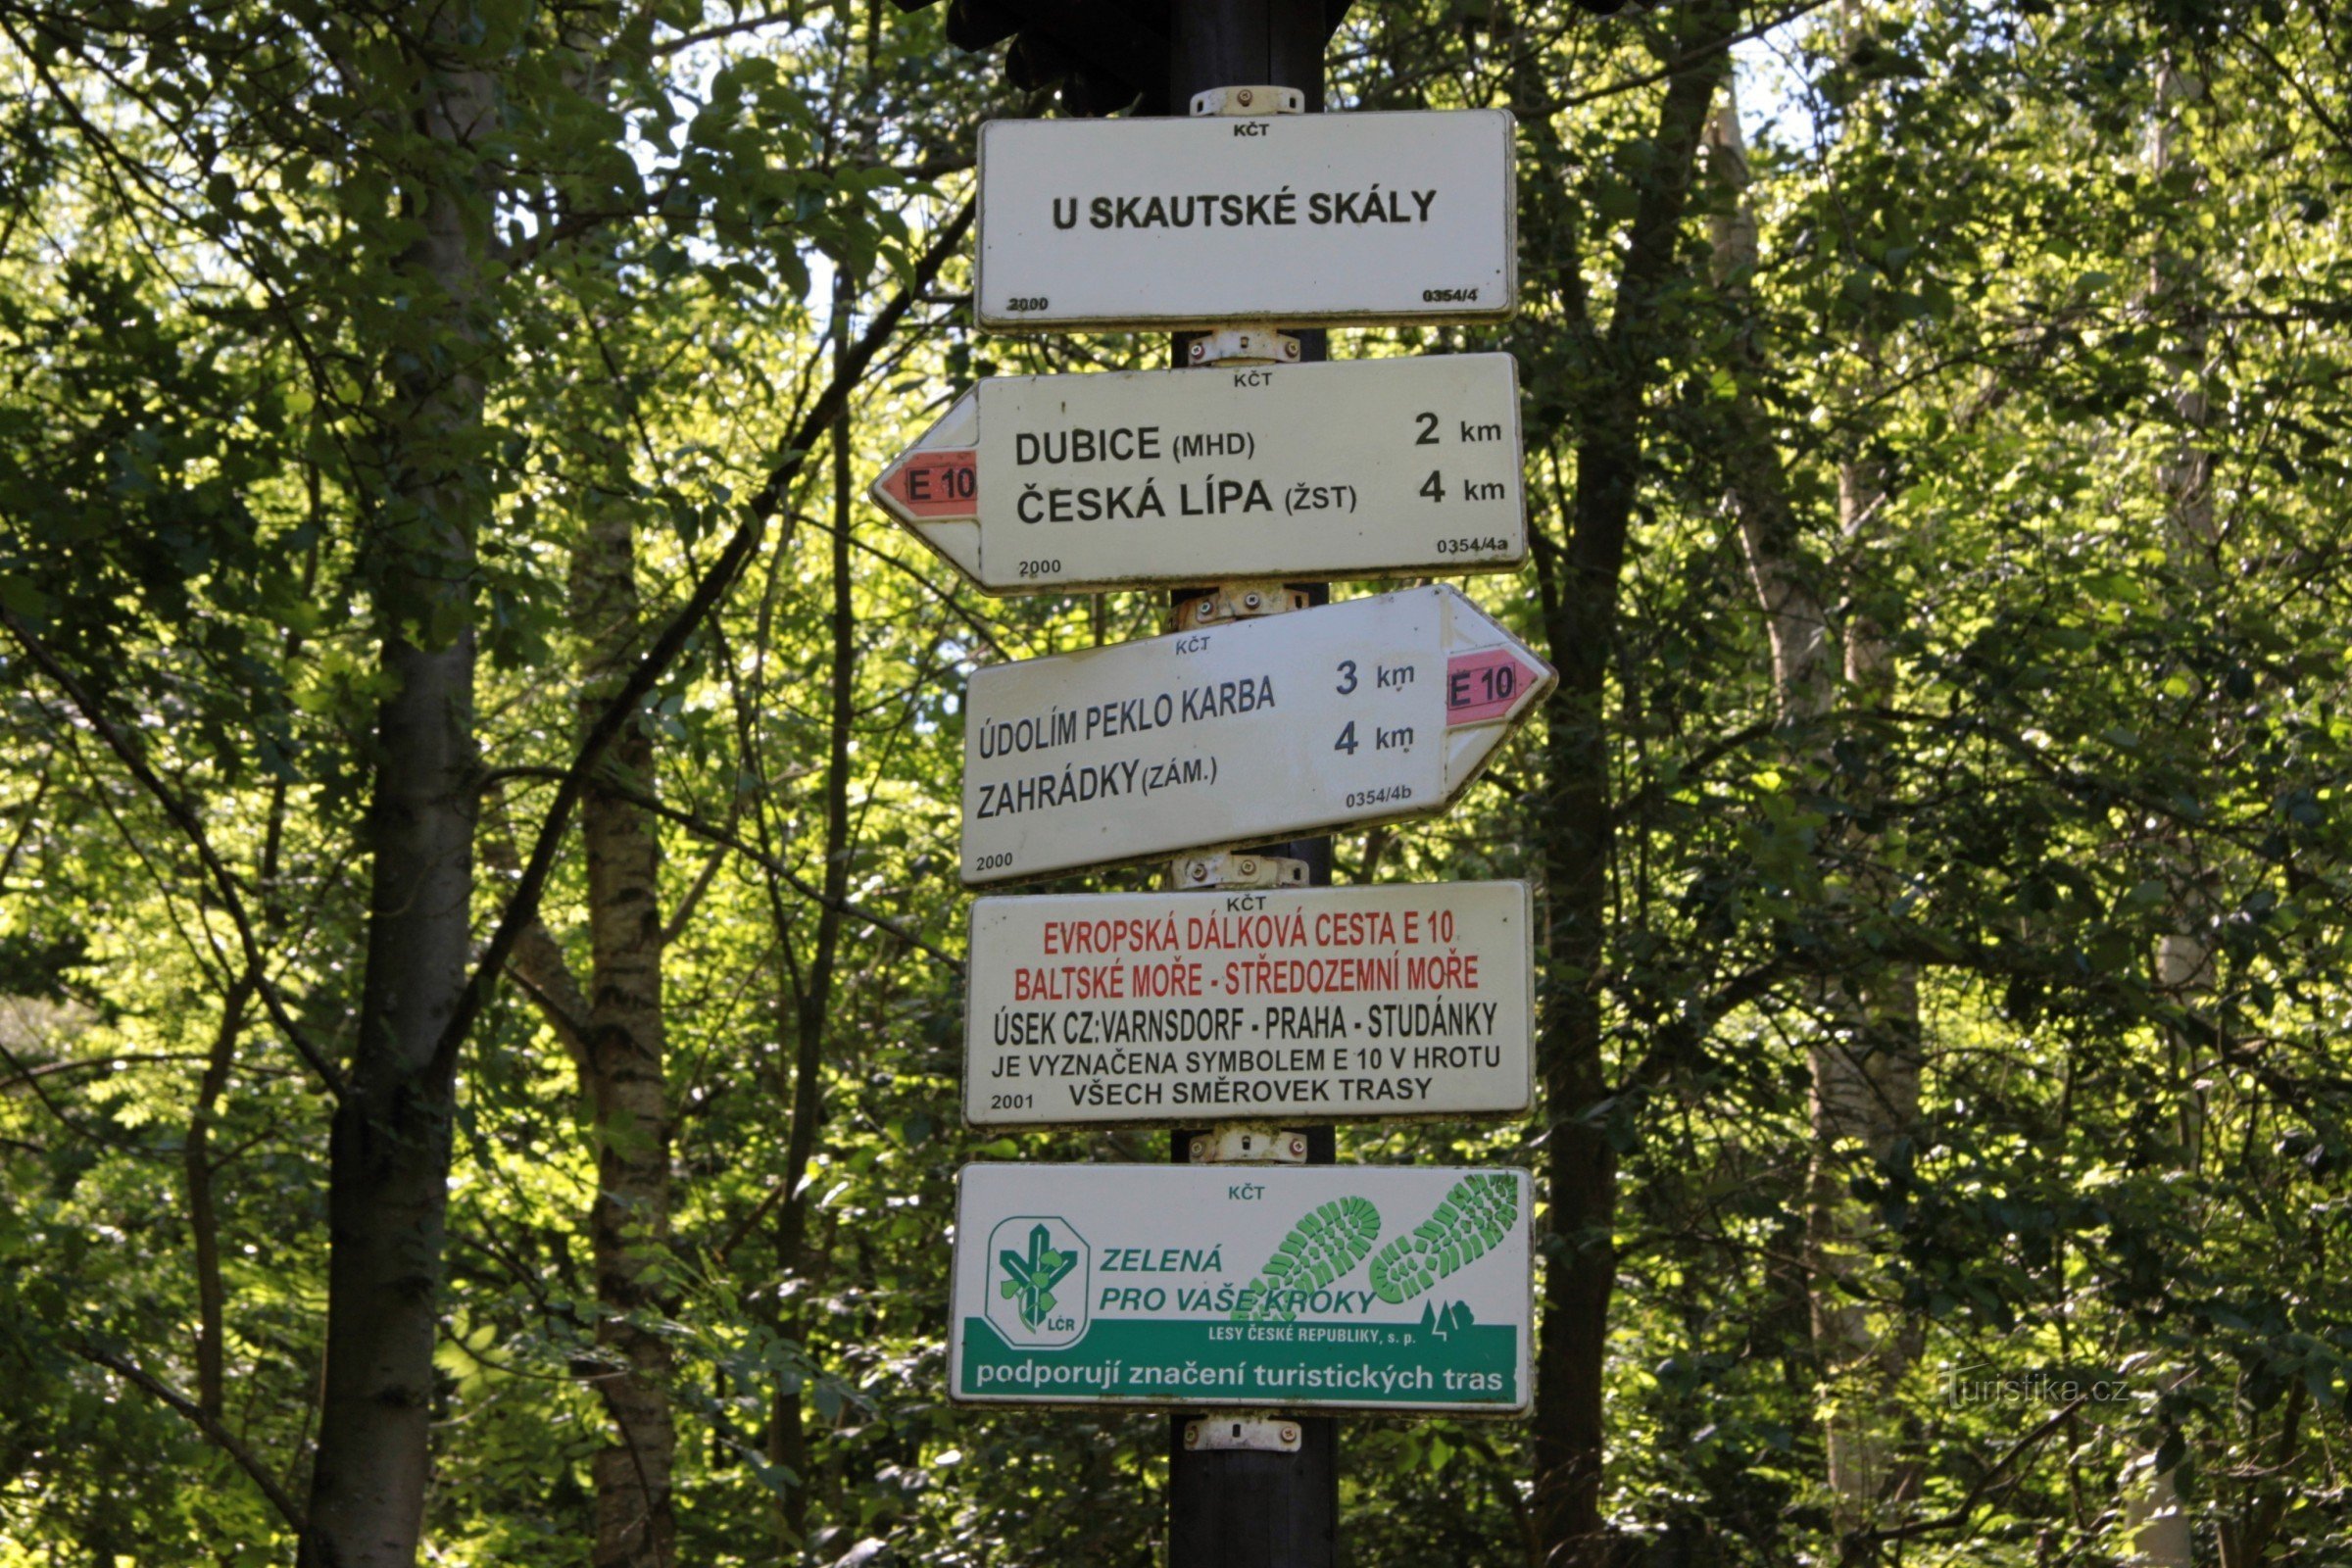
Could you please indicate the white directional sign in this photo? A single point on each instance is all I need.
(1286, 1005)
(1272, 1287)
(1359, 468)
(1372, 710)
(1306, 220)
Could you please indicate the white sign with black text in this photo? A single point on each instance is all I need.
(1372, 710)
(1307, 219)
(1288, 1006)
(1357, 469)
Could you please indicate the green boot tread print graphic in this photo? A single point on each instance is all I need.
(1474, 1219)
(1328, 1244)
(1324, 1247)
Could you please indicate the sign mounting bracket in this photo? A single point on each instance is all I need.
(1239, 1143)
(1242, 1429)
(1252, 344)
(1263, 1431)
(1234, 103)
(1240, 600)
(1228, 869)
(1242, 345)
(1246, 1143)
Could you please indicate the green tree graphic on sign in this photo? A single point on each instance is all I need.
(1034, 1277)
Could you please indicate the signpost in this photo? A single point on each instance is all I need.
(1400, 1288)
(1373, 711)
(1308, 219)
(1294, 1007)
(1242, 1283)
(1361, 468)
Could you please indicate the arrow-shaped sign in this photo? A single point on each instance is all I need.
(1358, 468)
(1373, 711)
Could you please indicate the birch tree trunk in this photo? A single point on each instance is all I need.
(621, 1039)
(2156, 1523)
(1865, 1063)
(623, 1070)
(1866, 1097)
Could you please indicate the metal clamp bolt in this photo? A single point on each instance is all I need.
(1244, 345)
(1246, 1143)
(1223, 1430)
(1285, 345)
(1241, 601)
(1242, 102)
(1227, 869)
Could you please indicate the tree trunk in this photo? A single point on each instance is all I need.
(1866, 1097)
(2156, 1524)
(1580, 1165)
(1865, 1066)
(788, 1439)
(203, 1224)
(629, 1227)
(388, 1157)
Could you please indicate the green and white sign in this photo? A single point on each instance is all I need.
(1272, 1287)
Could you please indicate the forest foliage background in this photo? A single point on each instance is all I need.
(479, 995)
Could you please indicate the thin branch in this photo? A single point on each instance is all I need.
(760, 1212)
(1679, 62)
(224, 885)
(707, 594)
(570, 1028)
(579, 223)
(1683, 1035)
(728, 838)
(2294, 79)
(24, 824)
(1984, 1483)
(222, 1438)
(23, 1076)
(725, 30)
(693, 895)
(537, 963)
(19, 1074)
(1692, 768)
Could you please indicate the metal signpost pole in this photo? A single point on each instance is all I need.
(1253, 1507)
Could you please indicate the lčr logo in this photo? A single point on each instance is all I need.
(1038, 1276)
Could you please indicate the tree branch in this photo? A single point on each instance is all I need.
(707, 594)
(538, 966)
(728, 838)
(579, 223)
(220, 1437)
(225, 886)
(1984, 1483)
(1689, 57)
